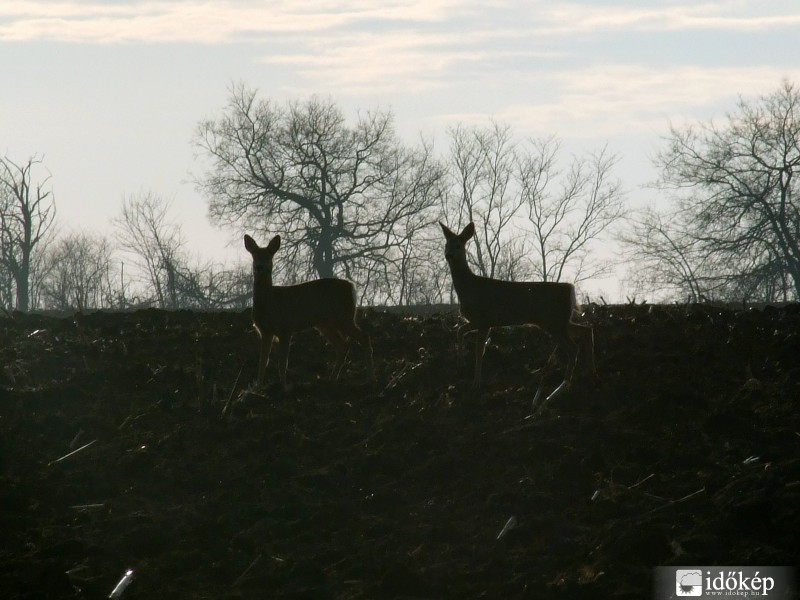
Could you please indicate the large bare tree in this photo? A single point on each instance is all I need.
(734, 192)
(27, 212)
(341, 195)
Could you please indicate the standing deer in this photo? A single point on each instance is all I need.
(487, 303)
(279, 311)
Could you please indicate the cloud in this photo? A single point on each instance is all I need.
(152, 22)
(373, 63)
(514, 49)
(404, 61)
(197, 21)
(616, 100)
(208, 22)
(569, 18)
(363, 47)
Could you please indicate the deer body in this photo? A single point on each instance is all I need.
(279, 311)
(487, 303)
(518, 303)
(285, 309)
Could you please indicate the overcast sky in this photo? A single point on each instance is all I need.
(110, 93)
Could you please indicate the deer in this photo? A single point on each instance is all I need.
(486, 302)
(328, 304)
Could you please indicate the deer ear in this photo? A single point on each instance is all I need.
(447, 233)
(468, 232)
(250, 244)
(274, 244)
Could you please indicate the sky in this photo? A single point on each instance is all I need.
(109, 94)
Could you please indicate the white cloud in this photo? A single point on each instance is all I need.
(197, 21)
(618, 100)
(368, 47)
(407, 61)
(149, 22)
(566, 17)
(200, 21)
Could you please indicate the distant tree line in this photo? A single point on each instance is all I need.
(350, 199)
(146, 264)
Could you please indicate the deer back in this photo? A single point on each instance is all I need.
(319, 303)
(493, 303)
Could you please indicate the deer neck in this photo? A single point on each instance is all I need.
(262, 289)
(462, 275)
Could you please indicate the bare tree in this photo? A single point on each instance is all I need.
(663, 259)
(168, 276)
(568, 211)
(497, 179)
(339, 194)
(155, 243)
(483, 164)
(212, 287)
(228, 287)
(666, 257)
(80, 274)
(27, 212)
(734, 192)
(419, 275)
(7, 289)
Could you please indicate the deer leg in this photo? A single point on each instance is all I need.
(584, 335)
(564, 345)
(571, 350)
(370, 357)
(462, 331)
(263, 357)
(338, 341)
(480, 348)
(355, 332)
(543, 372)
(284, 342)
(565, 348)
(366, 343)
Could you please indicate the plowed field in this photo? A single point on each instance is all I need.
(684, 449)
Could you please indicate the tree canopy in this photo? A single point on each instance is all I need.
(735, 228)
(346, 197)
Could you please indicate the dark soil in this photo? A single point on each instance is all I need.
(683, 450)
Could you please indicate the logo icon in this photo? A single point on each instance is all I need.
(688, 583)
